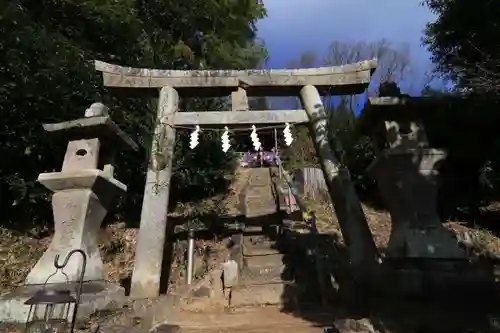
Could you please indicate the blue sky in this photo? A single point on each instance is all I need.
(293, 26)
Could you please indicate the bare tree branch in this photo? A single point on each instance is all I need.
(394, 63)
(482, 75)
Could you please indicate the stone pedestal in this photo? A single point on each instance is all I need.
(96, 295)
(80, 202)
(407, 180)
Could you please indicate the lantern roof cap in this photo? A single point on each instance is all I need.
(50, 296)
(101, 127)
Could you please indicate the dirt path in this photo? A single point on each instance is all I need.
(264, 319)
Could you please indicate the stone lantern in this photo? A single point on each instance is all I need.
(84, 190)
(406, 171)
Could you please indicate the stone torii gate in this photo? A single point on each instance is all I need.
(310, 84)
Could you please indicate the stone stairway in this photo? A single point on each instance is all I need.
(264, 276)
(273, 249)
(275, 265)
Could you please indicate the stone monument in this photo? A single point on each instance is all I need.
(84, 191)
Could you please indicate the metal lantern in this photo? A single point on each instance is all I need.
(49, 311)
(50, 308)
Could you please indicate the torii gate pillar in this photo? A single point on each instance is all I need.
(357, 235)
(151, 239)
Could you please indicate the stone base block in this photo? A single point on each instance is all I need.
(263, 294)
(431, 243)
(96, 295)
(431, 278)
(271, 260)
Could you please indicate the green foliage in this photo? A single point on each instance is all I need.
(354, 150)
(47, 75)
(302, 153)
(460, 40)
(200, 172)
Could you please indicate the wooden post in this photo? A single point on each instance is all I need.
(151, 239)
(357, 235)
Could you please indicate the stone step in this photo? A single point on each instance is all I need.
(259, 249)
(258, 240)
(263, 203)
(262, 174)
(256, 192)
(271, 260)
(253, 192)
(257, 237)
(258, 183)
(265, 275)
(261, 212)
(256, 234)
(256, 203)
(260, 207)
(252, 228)
(260, 196)
(263, 294)
(259, 234)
